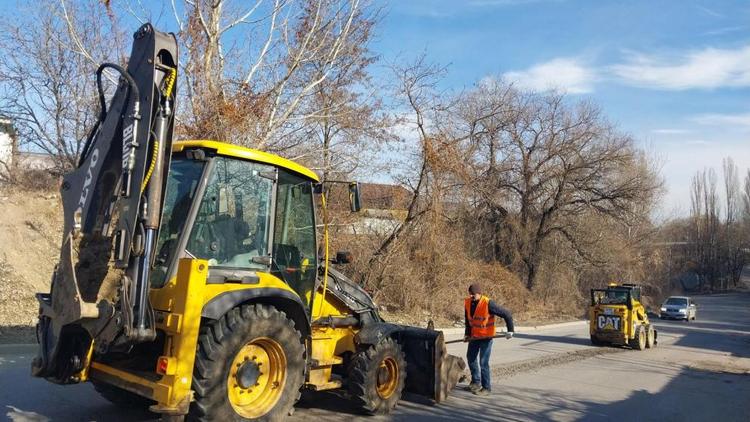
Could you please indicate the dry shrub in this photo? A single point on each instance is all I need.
(427, 273)
(32, 180)
(559, 294)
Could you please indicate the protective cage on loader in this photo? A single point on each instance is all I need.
(190, 278)
(617, 316)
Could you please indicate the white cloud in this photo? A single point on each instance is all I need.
(495, 3)
(725, 30)
(697, 142)
(566, 74)
(710, 12)
(715, 119)
(670, 131)
(707, 68)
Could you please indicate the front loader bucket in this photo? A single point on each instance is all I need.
(430, 370)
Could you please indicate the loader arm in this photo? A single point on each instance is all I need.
(112, 204)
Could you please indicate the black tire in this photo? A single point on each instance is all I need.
(218, 345)
(595, 341)
(650, 337)
(120, 397)
(639, 341)
(366, 376)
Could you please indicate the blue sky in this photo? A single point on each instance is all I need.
(674, 74)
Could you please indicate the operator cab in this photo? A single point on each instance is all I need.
(622, 294)
(244, 211)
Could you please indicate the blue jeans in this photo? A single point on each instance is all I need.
(483, 348)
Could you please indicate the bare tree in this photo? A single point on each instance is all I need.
(252, 69)
(345, 123)
(46, 69)
(718, 244)
(733, 239)
(548, 164)
(417, 91)
(260, 74)
(731, 190)
(705, 221)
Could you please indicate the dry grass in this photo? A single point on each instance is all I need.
(426, 274)
(27, 181)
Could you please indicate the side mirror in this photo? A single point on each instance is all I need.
(355, 201)
(343, 257)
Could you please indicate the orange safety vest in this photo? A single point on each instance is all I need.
(482, 323)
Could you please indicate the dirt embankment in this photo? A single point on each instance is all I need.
(30, 233)
(30, 230)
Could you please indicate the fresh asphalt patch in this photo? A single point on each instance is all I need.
(535, 364)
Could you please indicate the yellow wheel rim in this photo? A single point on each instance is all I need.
(387, 377)
(254, 395)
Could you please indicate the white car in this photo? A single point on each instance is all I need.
(678, 307)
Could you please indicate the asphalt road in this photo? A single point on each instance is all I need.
(699, 371)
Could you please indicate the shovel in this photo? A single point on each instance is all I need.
(501, 335)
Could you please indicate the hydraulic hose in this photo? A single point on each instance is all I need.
(125, 75)
(154, 157)
(132, 89)
(169, 81)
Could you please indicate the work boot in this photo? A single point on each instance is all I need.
(473, 387)
(482, 392)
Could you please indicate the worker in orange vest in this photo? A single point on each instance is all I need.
(480, 313)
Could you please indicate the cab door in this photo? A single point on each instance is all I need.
(294, 242)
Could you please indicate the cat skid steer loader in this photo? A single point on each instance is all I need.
(617, 316)
(189, 275)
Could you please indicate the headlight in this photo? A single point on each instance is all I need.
(682, 311)
(663, 309)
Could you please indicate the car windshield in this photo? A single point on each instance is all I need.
(678, 301)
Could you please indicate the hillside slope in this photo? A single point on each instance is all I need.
(30, 231)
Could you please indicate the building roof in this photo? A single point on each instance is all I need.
(374, 196)
(384, 197)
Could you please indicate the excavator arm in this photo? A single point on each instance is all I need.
(112, 204)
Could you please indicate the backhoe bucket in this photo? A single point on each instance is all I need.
(430, 370)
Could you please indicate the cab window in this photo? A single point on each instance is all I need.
(182, 184)
(231, 227)
(294, 251)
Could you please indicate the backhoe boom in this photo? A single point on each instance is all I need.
(112, 205)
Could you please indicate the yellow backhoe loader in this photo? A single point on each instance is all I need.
(190, 278)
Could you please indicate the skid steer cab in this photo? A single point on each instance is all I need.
(616, 316)
(190, 280)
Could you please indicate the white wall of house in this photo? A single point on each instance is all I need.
(6, 144)
(34, 161)
(376, 222)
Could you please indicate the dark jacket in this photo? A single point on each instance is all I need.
(495, 310)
